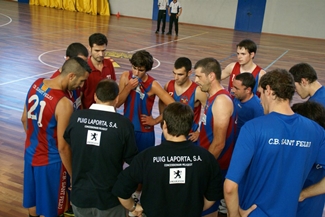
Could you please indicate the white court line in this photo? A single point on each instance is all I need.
(25, 78)
(10, 20)
(40, 58)
(276, 60)
(156, 45)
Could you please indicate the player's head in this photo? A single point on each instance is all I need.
(249, 45)
(106, 92)
(312, 110)
(243, 84)
(279, 82)
(303, 74)
(182, 70)
(178, 118)
(77, 50)
(207, 70)
(98, 45)
(142, 62)
(75, 71)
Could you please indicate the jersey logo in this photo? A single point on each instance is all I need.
(93, 137)
(177, 175)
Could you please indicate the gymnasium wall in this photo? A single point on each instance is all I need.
(289, 17)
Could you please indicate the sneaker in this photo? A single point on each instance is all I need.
(157, 32)
(168, 33)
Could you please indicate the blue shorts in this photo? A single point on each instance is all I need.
(144, 140)
(45, 187)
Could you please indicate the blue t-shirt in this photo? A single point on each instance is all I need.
(246, 111)
(271, 160)
(319, 96)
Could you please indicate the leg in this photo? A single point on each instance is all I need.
(171, 21)
(164, 21)
(176, 25)
(159, 21)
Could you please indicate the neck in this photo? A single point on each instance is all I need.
(95, 62)
(175, 138)
(281, 107)
(248, 97)
(313, 87)
(215, 87)
(248, 67)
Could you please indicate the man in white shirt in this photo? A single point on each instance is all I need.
(162, 5)
(174, 11)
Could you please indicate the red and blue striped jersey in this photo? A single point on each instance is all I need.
(41, 140)
(138, 102)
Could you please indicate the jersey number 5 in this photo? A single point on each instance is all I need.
(30, 113)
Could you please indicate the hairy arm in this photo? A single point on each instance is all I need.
(222, 110)
(313, 190)
(24, 119)
(129, 203)
(63, 112)
(125, 86)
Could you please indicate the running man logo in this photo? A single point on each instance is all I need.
(177, 175)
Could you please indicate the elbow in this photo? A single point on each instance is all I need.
(229, 187)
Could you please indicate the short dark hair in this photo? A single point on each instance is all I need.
(107, 90)
(97, 38)
(247, 79)
(312, 110)
(76, 49)
(281, 82)
(248, 45)
(142, 58)
(76, 65)
(303, 70)
(208, 65)
(183, 62)
(179, 119)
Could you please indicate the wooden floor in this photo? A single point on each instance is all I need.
(33, 40)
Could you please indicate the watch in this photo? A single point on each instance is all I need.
(134, 206)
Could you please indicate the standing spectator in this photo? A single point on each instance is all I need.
(183, 90)
(74, 50)
(217, 126)
(246, 51)
(280, 145)
(47, 156)
(101, 140)
(307, 84)
(162, 6)
(246, 104)
(178, 178)
(174, 11)
(100, 68)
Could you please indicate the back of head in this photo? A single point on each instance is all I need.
(142, 58)
(179, 119)
(209, 65)
(248, 45)
(97, 38)
(247, 79)
(76, 49)
(303, 70)
(76, 65)
(107, 90)
(183, 62)
(281, 83)
(312, 110)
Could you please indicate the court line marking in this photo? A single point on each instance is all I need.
(11, 108)
(10, 20)
(266, 68)
(25, 78)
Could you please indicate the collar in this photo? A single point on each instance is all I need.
(106, 108)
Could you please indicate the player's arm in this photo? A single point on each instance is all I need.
(262, 72)
(156, 89)
(129, 205)
(313, 190)
(222, 110)
(227, 71)
(63, 112)
(125, 86)
(179, 13)
(169, 11)
(207, 204)
(161, 105)
(24, 119)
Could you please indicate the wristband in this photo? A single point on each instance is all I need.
(134, 206)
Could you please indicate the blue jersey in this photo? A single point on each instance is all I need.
(319, 96)
(246, 111)
(271, 160)
(314, 206)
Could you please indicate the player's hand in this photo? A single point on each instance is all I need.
(245, 213)
(194, 136)
(148, 120)
(132, 83)
(138, 211)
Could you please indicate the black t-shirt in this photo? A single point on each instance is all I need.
(175, 176)
(101, 142)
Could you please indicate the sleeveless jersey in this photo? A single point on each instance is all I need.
(41, 139)
(206, 131)
(138, 102)
(236, 71)
(73, 95)
(188, 98)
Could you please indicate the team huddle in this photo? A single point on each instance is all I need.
(241, 151)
